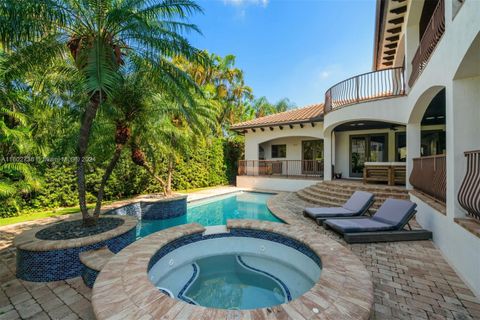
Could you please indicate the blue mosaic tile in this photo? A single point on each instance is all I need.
(153, 210)
(89, 276)
(181, 295)
(164, 209)
(44, 266)
(237, 232)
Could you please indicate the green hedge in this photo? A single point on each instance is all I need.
(209, 164)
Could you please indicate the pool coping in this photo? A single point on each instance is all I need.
(343, 291)
(29, 242)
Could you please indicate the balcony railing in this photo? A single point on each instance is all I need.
(429, 175)
(281, 168)
(469, 193)
(374, 85)
(432, 35)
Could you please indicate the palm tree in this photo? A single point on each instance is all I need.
(101, 36)
(169, 135)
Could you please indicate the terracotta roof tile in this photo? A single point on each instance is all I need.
(300, 115)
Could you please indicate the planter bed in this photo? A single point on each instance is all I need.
(49, 253)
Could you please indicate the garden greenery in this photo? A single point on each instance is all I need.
(105, 102)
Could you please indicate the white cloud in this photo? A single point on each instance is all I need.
(263, 3)
(324, 74)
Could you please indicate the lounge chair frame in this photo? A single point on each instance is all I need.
(320, 220)
(384, 236)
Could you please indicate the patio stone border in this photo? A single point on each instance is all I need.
(343, 291)
(51, 260)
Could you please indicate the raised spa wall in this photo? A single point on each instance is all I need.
(154, 209)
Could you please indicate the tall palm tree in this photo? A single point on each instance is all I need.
(101, 36)
(166, 137)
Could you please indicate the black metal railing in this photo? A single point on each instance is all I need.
(285, 168)
(469, 193)
(381, 84)
(429, 175)
(432, 35)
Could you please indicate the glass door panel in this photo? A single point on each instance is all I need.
(358, 153)
(367, 148)
(312, 154)
(377, 148)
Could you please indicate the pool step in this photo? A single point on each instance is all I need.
(94, 261)
(336, 193)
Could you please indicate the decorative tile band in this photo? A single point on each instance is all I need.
(154, 210)
(235, 232)
(194, 276)
(161, 210)
(53, 265)
(280, 282)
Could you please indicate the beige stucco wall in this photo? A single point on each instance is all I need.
(290, 136)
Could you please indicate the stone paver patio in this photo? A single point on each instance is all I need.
(411, 279)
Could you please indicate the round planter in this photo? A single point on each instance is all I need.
(161, 209)
(51, 260)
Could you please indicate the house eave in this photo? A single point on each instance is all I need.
(278, 124)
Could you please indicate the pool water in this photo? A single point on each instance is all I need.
(216, 211)
(234, 285)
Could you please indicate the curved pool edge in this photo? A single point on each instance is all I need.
(278, 211)
(344, 289)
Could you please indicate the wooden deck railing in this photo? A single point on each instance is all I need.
(469, 193)
(374, 85)
(429, 175)
(286, 168)
(428, 43)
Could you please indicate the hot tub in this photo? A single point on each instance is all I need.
(145, 280)
(240, 269)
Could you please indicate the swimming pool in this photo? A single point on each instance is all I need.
(215, 211)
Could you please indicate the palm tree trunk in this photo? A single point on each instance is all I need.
(155, 176)
(85, 129)
(168, 191)
(105, 177)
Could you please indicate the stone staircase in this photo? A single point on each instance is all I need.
(336, 193)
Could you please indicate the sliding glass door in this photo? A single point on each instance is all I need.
(366, 148)
(312, 154)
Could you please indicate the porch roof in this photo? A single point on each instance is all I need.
(312, 113)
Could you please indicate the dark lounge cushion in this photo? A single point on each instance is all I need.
(358, 225)
(359, 201)
(332, 212)
(395, 212)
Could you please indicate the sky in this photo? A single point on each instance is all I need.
(293, 49)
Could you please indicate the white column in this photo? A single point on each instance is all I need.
(462, 133)
(413, 147)
(327, 156)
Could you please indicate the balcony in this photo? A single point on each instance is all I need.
(432, 35)
(281, 168)
(381, 84)
(469, 193)
(429, 175)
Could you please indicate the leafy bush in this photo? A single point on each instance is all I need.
(208, 164)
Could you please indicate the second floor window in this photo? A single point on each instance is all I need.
(279, 151)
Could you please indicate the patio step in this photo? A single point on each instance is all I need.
(336, 193)
(345, 194)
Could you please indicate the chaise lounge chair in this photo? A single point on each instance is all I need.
(386, 224)
(357, 205)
